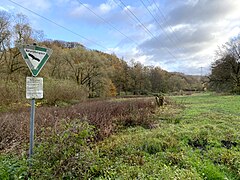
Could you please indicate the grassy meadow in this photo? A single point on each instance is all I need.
(190, 137)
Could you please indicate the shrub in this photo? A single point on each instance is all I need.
(12, 168)
(152, 146)
(106, 116)
(65, 154)
(63, 90)
(109, 116)
(210, 171)
(11, 92)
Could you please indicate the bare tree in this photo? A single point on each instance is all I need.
(22, 30)
(20, 34)
(5, 34)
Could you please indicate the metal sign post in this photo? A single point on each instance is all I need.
(35, 58)
(32, 116)
(34, 90)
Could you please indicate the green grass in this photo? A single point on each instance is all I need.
(198, 137)
(187, 144)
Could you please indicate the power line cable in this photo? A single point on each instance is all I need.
(145, 28)
(168, 37)
(170, 30)
(105, 21)
(127, 12)
(165, 19)
(59, 25)
(120, 5)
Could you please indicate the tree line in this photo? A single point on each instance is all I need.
(101, 74)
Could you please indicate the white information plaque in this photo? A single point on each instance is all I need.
(34, 88)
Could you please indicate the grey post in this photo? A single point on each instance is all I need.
(32, 127)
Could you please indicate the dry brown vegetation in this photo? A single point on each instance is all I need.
(106, 116)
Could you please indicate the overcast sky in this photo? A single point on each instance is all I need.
(177, 35)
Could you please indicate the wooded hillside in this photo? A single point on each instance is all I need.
(76, 70)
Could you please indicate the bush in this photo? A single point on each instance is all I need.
(55, 91)
(11, 92)
(106, 116)
(65, 154)
(12, 168)
(109, 116)
(63, 90)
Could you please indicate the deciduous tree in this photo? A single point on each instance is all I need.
(225, 75)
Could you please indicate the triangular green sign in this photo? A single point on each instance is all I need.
(35, 57)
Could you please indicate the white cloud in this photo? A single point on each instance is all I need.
(200, 26)
(6, 7)
(80, 11)
(3, 8)
(39, 5)
(106, 7)
(83, 11)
